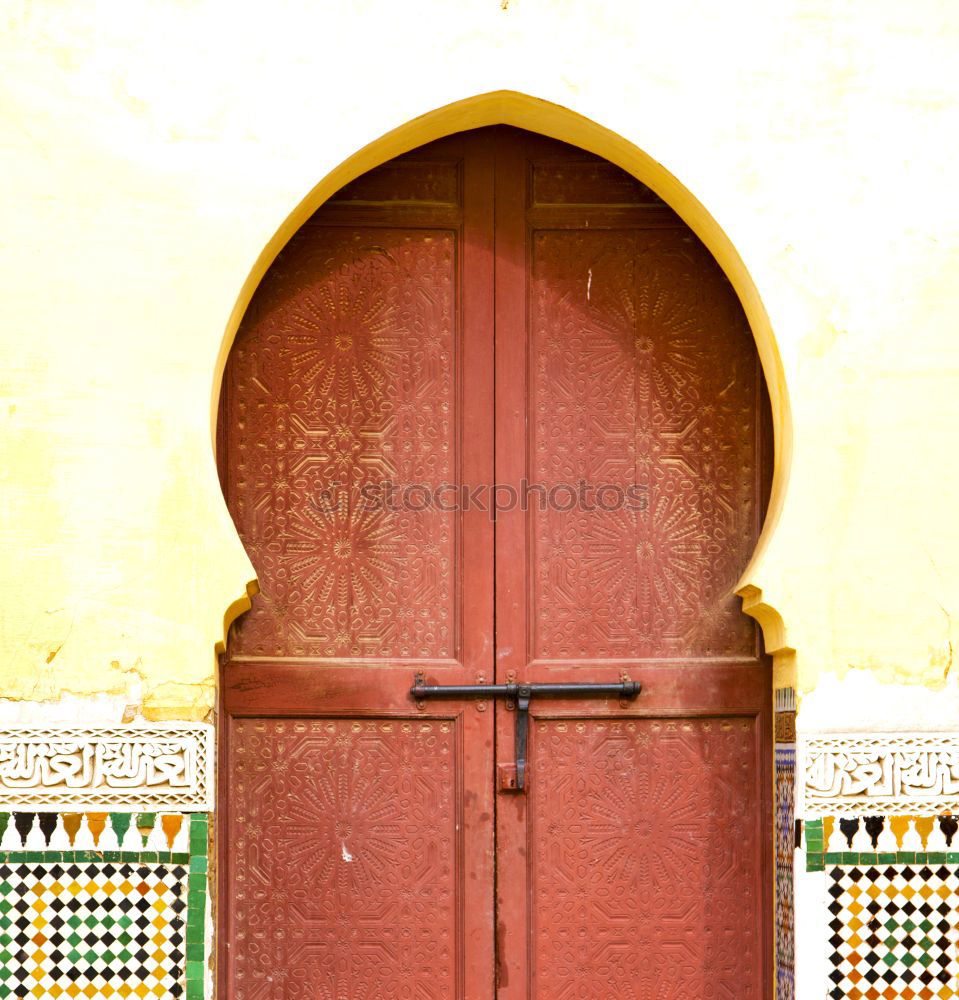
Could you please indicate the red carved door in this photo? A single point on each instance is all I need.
(494, 308)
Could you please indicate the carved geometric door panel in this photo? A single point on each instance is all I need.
(644, 866)
(494, 308)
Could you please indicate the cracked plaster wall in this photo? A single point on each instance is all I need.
(155, 149)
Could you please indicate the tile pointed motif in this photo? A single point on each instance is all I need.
(892, 932)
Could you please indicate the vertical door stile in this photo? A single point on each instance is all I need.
(475, 390)
(513, 904)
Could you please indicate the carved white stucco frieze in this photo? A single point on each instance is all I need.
(141, 767)
(855, 773)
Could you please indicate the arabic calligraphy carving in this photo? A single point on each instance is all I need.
(855, 774)
(121, 768)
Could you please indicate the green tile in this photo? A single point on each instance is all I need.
(181, 858)
(198, 864)
(195, 951)
(195, 970)
(121, 823)
(936, 858)
(886, 859)
(952, 857)
(850, 858)
(815, 863)
(905, 857)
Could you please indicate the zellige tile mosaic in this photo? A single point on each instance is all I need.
(101, 923)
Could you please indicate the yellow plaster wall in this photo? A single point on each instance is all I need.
(155, 155)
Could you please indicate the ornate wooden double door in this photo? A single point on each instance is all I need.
(494, 415)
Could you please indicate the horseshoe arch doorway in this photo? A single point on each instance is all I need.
(494, 416)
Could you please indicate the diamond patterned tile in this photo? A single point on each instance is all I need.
(893, 932)
(92, 930)
(785, 761)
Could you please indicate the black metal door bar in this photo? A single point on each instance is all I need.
(521, 695)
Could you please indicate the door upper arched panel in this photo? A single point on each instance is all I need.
(635, 375)
(343, 379)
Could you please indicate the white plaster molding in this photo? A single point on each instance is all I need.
(141, 767)
(848, 774)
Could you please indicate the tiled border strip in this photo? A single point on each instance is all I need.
(196, 907)
(817, 857)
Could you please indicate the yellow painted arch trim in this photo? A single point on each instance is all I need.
(506, 107)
